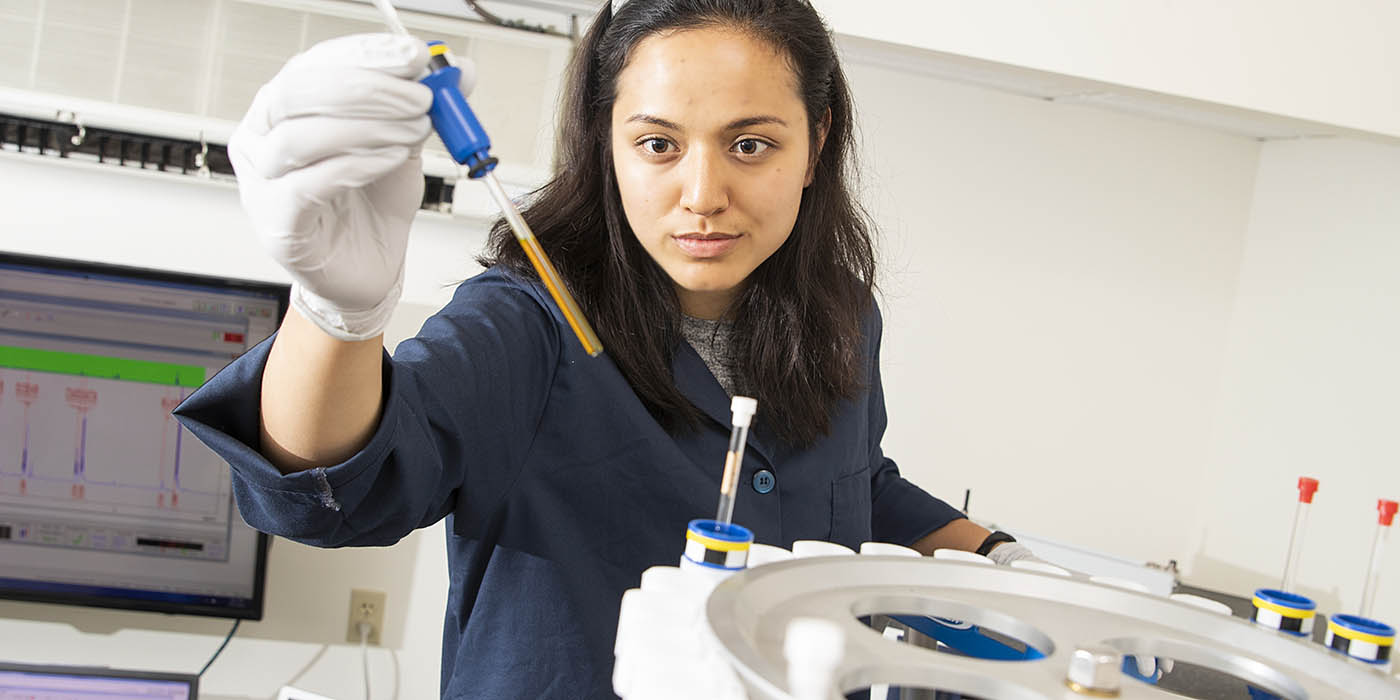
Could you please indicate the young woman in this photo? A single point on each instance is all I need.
(703, 217)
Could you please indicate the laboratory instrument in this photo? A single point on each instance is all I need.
(1282, 609)
(1059, 616)
(727, 637)
(469, 145)
(743, 409)
(1306, 488)
(92, 352)
(713, 545)
(821, 621)
(1361, 638)
(53, 681)
(1373, 571)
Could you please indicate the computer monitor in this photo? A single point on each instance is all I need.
(26, 682)
(105, 499)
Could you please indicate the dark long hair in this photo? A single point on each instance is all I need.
(798, 319)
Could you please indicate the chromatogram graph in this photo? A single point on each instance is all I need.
(105, 443)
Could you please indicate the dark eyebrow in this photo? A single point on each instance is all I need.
(658, 121)
(747, 122)
(735, 125)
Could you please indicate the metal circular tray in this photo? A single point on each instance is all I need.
(749, 613)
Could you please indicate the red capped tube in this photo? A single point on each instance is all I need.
(1373, 571)
(1307, 487)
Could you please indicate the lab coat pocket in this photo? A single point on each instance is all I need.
(850, 509)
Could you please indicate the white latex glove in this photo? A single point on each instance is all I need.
(328, 168)
(1007, 552)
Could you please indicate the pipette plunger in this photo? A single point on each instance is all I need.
(743, 408)
(391, 17)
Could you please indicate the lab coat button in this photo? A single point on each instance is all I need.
(764, 481)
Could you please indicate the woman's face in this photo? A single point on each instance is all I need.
(710, 146)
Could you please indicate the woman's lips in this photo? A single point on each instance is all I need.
(705, 245)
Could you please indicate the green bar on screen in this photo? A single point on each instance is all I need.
(101, 367)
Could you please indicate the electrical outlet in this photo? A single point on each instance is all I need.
(365, 606)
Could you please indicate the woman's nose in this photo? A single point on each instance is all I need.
(705, 191)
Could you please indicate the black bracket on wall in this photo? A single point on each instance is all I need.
(65, 139)
(60, 138)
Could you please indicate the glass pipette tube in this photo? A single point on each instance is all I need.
(1373, 571)
(1306, 488)
(565, 301)
(743, 408)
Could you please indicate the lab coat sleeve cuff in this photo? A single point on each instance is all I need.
(308, 506)
(904, 513)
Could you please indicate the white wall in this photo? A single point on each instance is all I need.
(1331, 62)
(1311, 384)
(1059, 287)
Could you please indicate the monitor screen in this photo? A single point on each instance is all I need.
(23, 682)
(105, 499)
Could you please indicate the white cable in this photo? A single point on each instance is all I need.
(394, 656)
(304, 669)
(364, 628)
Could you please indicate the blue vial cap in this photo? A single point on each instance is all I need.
(1285, 599)
(1364, 625)
(716, 530)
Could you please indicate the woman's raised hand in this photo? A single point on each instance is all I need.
(328, 167)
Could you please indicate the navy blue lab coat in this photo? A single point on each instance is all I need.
(558, 486)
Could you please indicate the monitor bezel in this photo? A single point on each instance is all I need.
(254, 611)
(191, 679)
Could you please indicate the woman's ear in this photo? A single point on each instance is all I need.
(822, 130)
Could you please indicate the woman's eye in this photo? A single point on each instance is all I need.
(656, 146)
(751, 147)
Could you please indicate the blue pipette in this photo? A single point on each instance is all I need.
(468, 144)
